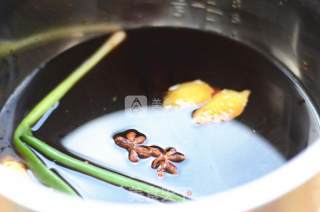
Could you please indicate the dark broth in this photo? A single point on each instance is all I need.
(277, 124)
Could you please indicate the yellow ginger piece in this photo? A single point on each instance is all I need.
(224, 106)
(14, 166)
(188, 94)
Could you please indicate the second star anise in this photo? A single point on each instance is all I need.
(164, 158)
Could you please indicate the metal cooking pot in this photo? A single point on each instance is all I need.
(33, 31)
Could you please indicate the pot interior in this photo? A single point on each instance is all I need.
(279, 122)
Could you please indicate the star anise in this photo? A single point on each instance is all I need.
(131, 140)
(164, 158)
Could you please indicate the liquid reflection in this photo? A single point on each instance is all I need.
(219, 156)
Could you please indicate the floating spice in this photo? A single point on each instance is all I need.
(223, 106)
(131, 140)
(215, 105)
(164, 158)
(188, 94)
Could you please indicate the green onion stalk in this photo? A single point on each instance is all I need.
(24, 141)
(44, 37)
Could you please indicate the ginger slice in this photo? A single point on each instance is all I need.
(188, 94)
(14, 166)
(224, 106)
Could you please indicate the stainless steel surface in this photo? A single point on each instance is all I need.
(33, 31)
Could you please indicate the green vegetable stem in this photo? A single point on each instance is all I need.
(25, 142)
